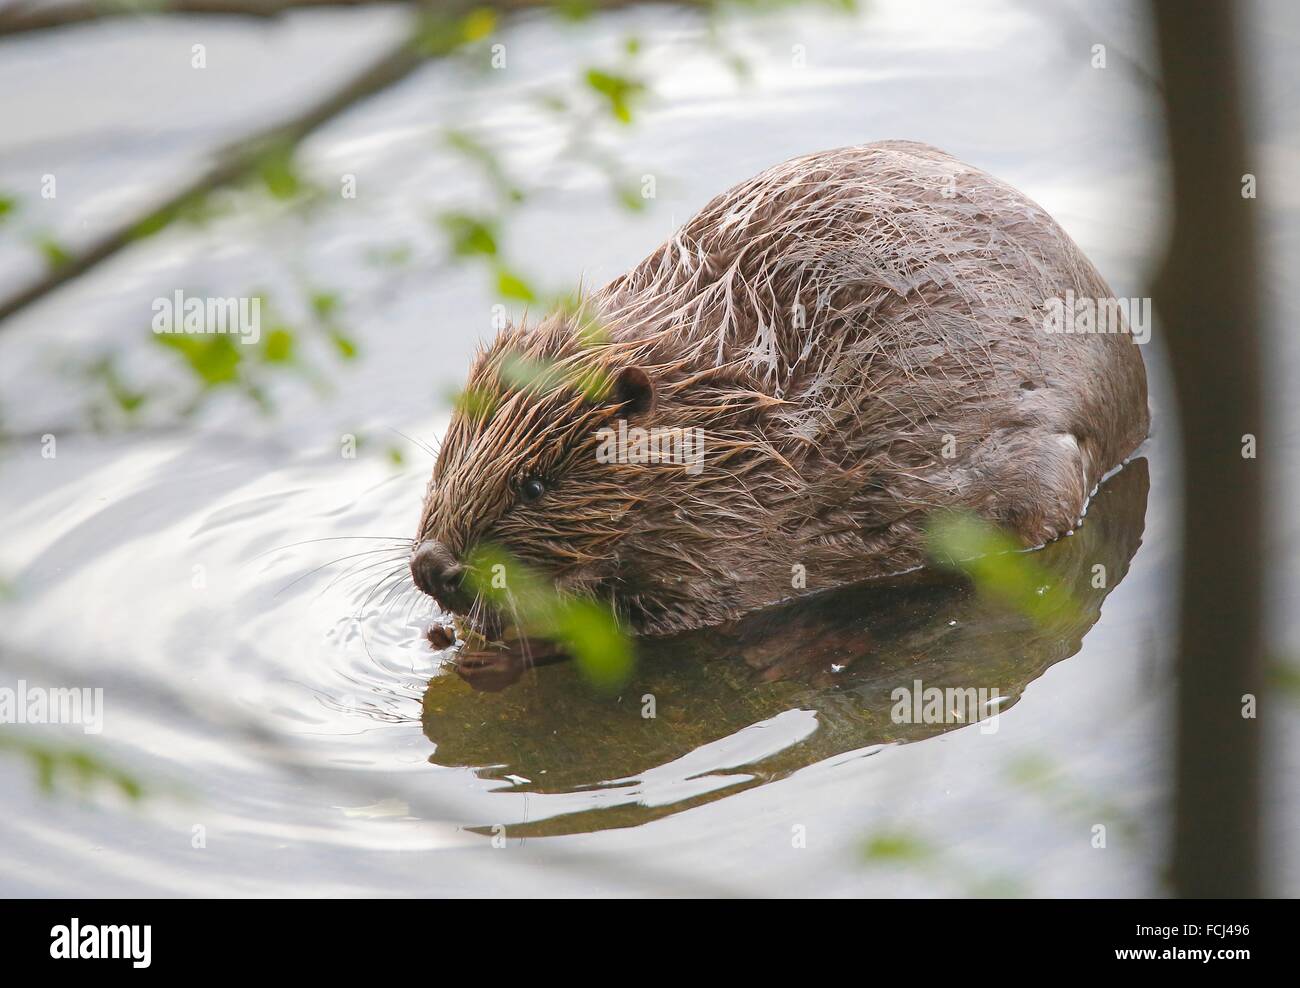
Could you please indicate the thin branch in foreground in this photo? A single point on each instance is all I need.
(26, 17)
(235, 164)
(439, 29)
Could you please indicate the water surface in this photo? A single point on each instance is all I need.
(312, 733)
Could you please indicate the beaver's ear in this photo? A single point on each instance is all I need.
(634, 390)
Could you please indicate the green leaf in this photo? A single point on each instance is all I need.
(1285, 676)
(441, 34)
(214, 358)
(478, 24)
(896, 847)
(997, 565)
(278, 346)
(277, 170)
(82, 769)
(324, 304)
(394, 256)
(629, 195)
(470, 236)
(618, 90)
(54, 253)
(346, 347)
(592, 637)
(476, 404)
(483, 156)
(512, 286)
(574, 10)
(105, 372)
(586, 629)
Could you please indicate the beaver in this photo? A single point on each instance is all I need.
(856, 337)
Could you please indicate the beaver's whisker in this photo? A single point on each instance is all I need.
(513, 608)
(382, 582)
(332, 562)
(355, 570)
(338, 538)
(356, 616)
(525, 646)
(398, 587)
(410, 608)
(476, 611)
(392, 557)
(411, 439)
(394, 599)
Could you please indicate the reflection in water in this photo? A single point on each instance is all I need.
(750, 702)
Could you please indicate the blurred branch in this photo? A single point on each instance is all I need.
(233, 164)
(433, 35)
(25, 17)
(1208, 297)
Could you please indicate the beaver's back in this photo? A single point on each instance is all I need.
(893, 299)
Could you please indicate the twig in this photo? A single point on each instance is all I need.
(232, 165)
(239, 160)
(22, 18)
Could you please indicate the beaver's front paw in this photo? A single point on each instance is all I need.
(441, 636)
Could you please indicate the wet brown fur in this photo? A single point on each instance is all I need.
(830, 324)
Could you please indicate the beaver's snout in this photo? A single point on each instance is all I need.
(437, 573)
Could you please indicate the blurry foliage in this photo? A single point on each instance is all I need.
(74, 769)
(892, 847)
(397, 255)
(1038, 775)
(476, 404)
(889, 846)
(325, 307)
(586, 629)
(214, 363)
(390, 452)
(619, 91)
(278, 171)
(1284, 674)
(222, 360)
(198, 209)
(469, 236)
(55, 254)
(609, 93)
(997, 565)
(440, 33)
(112, 399)
(490, 167)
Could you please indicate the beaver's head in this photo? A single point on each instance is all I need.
(520, 470)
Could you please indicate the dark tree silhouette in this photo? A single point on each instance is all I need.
(1208, 297)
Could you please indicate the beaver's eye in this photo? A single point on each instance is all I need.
(533, 489)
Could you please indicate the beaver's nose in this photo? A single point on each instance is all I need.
(437, 573)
